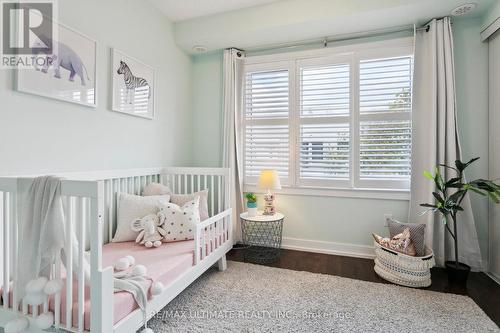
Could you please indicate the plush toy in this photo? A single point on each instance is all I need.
(150, 230)
(124, 263)
(37, 293)
(135, 280)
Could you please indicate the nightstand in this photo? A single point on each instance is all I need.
(262, 234)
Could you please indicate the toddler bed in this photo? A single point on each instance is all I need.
(91, 201)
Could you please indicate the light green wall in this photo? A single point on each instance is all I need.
(40, 135)
(471, 68)
(348, 220)
(492, 14)
(207, 109)
(337, 220)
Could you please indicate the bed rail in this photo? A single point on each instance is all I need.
(180, 180)
(83, 208)
(211, 234)
(90, 211)
(8, 232)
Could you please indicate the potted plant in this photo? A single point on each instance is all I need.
(251, 204)
(448, 198)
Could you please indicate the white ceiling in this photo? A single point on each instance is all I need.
(291, 21)
(179, 10)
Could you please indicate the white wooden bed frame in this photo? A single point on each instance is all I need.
(91, 201)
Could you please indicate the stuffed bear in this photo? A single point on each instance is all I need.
(150, 230)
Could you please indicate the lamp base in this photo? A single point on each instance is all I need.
(269, 207)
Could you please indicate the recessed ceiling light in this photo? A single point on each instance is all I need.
(199, 49)
(464, 9)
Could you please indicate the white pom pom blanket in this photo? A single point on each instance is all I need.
(42, 230)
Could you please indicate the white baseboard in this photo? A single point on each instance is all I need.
(341, 249)
(494, 277)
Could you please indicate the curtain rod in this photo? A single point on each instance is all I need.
(338, 38)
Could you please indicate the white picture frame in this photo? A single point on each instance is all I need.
(75, 87)
(133, 86)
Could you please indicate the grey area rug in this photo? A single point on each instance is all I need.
(253, 298)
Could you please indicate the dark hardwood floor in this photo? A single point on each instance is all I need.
(481, 288)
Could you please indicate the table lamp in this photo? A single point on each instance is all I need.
(269, 180)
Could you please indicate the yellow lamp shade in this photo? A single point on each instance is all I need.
(269, 180)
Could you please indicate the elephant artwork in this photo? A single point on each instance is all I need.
(61, 65)
(63, 57)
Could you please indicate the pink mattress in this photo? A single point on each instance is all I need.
(164, 264)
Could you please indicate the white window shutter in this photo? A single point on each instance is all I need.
(385, 92)
(267, 147)
(324, 90)
(385, 85)
(267, 95)
(324, 134)
(331, 120)
(266, 134)
(385, 150)
(324, 151)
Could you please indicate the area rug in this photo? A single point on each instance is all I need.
(253, 298)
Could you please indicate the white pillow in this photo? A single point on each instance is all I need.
(181, 199)
(156, 189)
(179, 222)
(131, 207)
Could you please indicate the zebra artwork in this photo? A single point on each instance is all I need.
(133, 84)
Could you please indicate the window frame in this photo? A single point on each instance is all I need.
(299, 120)
(272, 66)
(390, 52)
(346, 54)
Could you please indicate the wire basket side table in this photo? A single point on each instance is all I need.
(263, 234)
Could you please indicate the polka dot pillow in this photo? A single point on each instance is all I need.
(180, 222)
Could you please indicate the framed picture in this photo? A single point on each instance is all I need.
(69, 72)
(133, 85)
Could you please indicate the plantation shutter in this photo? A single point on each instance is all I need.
(266, 136)
(324, 151)
(324, 134)
(385, 91)
(331, 120)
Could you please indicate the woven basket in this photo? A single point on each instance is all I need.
(402, 269)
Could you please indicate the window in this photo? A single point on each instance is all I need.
(338, 118)
(324, 122)
(267, 117)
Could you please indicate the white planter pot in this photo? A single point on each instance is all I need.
(252, 212)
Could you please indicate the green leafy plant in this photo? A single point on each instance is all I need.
(251, 197)
(451, 192)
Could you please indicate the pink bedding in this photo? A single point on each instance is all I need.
(164, 264)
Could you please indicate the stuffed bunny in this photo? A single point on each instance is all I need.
(150, 230)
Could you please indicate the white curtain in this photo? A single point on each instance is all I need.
(436, 141)
(231, 148)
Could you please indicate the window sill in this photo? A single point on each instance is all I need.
(362, 193)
